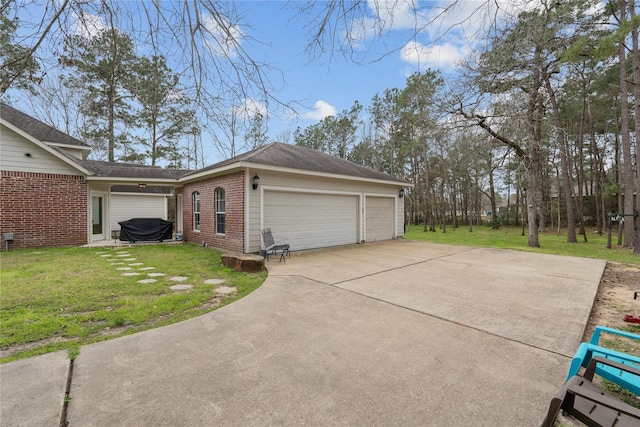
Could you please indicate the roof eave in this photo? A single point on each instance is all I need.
(71, 146)
(129, 180)
(261, 166)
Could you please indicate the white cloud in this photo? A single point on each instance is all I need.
(396, 14)
(438, 56)
(88, 26)
(322, 109)
(435, 20)
(250, 108)
(225, 37)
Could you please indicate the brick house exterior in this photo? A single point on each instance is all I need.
(233, 185)
(52, 195)
(57, 219)
(48, 187)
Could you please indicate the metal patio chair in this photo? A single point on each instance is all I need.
(271, 247)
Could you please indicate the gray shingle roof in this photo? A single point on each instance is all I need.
(36, 128)
(283, 155)
(126, 170)
(275, 154)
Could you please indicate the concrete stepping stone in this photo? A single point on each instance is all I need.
(147, 268)
(117, 263)
(129, 259)
(178, 278)
(180, 287)
(214, 281)
(156, 274)
(122, 254)
(147, 281)
(131, 274)
(124, 268)
(225, 290)
(106, 255)
(136, 263)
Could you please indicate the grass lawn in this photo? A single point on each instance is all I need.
(512, 238)
(62, 298)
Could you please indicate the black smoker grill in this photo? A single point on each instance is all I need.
(145, 230)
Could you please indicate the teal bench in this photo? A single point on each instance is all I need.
(586, 351)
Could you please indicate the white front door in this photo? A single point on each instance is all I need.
(97, 215)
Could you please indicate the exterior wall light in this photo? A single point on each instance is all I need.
(142, 185)
(256, 181)
(401, 194)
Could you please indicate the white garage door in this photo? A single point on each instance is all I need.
(379, 218)
(311, 220)
(125, 206)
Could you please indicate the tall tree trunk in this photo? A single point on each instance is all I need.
(596, 167)
(492, 197)
(635, 58)
(629, 232)
(564, 162)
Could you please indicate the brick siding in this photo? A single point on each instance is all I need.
(233, 185)
(43, 209)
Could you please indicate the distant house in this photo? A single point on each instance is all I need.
(51, 195)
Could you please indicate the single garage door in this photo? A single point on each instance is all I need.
(379, 218)
(309, 220)
(125, 206)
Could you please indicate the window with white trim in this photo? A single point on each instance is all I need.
(220, 211)
(195, 197)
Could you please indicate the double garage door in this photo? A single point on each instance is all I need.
(314, 220)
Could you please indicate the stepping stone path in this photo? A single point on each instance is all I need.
(122, 258)
(214, 282)
(225, 290)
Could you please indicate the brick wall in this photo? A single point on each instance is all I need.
(233, 239)
(43, 209)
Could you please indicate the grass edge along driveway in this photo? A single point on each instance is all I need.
(62, 298)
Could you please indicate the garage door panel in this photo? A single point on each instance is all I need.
(379, 218)
(309, 220)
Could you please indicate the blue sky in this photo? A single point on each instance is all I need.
(329, 85)
(272, 32)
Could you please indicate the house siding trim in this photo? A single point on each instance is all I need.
(45, 147)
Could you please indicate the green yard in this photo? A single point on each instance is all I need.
(512, 238)
(62, 298)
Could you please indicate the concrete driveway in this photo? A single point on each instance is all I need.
(390, 333)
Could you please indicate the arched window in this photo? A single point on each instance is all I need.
(220, 211)
(195, 197)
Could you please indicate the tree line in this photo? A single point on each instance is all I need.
(547, 111)
(545, 108)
